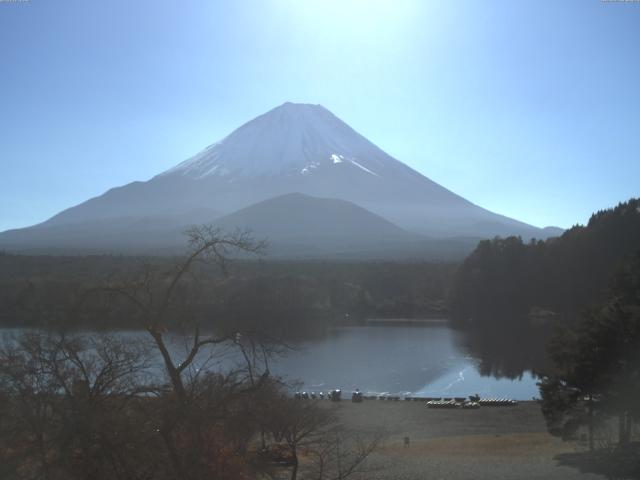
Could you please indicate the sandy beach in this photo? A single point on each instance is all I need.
(488, 443)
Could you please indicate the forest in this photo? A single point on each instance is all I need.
(510, 296)
(306, 296)
(593, 384)
(507, 279)
(571, 306)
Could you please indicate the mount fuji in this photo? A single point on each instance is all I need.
(293, 148)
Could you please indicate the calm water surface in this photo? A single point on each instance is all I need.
(427, 361)
(401, 360)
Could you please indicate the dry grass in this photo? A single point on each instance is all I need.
(512, 445)
(488, 443)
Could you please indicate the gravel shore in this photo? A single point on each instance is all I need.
(488, 443)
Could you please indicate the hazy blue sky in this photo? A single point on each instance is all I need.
(530, 109)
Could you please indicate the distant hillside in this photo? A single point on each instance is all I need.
(296, 226)
(303, 226)
(147, 235)
(297, 217)
(562, 275)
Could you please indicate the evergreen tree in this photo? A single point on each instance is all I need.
(597, 363)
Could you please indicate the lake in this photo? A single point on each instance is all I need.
(427, 360)
(402, 360)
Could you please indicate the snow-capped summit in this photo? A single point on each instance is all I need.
(292, 139)
(293, 148)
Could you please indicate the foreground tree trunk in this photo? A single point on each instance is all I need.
(590, 406)
(624, 429)
(294, 470)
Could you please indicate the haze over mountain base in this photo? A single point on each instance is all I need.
(381, 207)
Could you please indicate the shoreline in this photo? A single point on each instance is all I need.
(393, 322)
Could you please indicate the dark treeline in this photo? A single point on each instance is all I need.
(507, 353)
(593, 386)
(304, 296)
(568, 308)
(508, 278)
(510, 295)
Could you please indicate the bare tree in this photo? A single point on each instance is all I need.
(163, 301)
(312, 431)
(341, 454)
(298, 424)
(156, 298)
(67, 399)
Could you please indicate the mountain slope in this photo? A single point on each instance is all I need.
(151, 234)
(297, 225)
(292, 148)
(298, 216)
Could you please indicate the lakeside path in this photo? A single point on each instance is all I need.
(488, 443)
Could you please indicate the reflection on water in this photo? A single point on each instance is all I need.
(427, 361)
(403, 360)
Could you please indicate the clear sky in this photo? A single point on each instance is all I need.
(528, 108)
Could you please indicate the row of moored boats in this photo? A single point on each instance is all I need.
(471, 402)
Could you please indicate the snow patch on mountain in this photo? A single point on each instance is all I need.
(292, 139)
(309, 168)
(363, 168)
